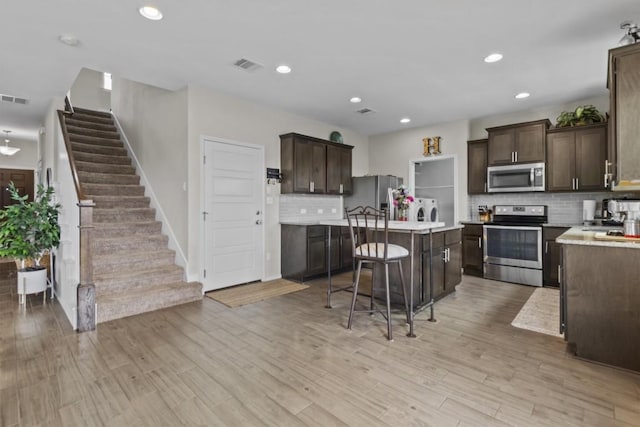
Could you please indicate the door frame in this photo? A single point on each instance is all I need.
(454, 158)
(212, 139)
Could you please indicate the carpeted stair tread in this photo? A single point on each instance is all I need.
(104, 229)
(78, 130)
(103, 142)
(98, 149)
(118, 281)
(91, 189)
(131, 260)
(105, 168)
(101, 158)
(120, 215)
(138, 242)
(87, 118)
(93, 113)
(108, 178)
(105, 127)
(112, 202)
(131, 303)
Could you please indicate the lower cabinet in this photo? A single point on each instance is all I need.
(551, 255)
(472, 250)
(304, 251)
(446, 263)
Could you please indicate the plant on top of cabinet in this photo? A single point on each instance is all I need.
(582, 115)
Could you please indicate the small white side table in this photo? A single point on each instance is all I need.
(32, 282)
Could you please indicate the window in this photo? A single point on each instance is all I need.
(106, 81)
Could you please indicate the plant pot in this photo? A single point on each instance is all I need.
(31, 281)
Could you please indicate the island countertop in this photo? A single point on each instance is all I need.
(417, 227)
(595, 236)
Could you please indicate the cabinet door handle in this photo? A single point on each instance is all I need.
(311, 186)
(341, 188)
(485, 187)
(512, 157)
(577, 183)
(516, 155)
(480, 242)
(546, 247)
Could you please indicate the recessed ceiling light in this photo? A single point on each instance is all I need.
(355, 100)
(69, 40)
(283, 69)
(150, 12)
(494, 57)
(405, 120)
(523, 95)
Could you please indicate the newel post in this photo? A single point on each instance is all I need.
(86, 292)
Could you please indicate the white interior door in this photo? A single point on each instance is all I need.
(233, 241)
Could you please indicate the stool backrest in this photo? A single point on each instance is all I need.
(369, 228)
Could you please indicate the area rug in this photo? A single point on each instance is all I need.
(254, 292)
(541, 312)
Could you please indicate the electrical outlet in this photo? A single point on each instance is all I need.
(269, 200)
(303, 211)
(320, 211)
(334, 210)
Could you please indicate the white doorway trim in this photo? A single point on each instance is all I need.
(433, 158)
(261, 154)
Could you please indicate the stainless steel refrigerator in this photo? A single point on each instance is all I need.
(373, 191)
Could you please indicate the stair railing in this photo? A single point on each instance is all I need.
(86, 290)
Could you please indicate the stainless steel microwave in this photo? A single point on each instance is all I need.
(515, 178)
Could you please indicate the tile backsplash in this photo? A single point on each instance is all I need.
(563, 208)
(303, 207)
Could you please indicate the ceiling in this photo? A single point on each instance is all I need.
(421, 59)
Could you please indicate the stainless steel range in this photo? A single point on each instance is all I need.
(513, 244)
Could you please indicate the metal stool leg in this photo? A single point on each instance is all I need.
(404, 290)
(355, 295)
(373, 281)
(386, 283)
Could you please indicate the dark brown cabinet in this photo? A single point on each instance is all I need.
(472, 255)
(477, 166)
(305, 247)
(624, 110)
(517, 143)
(551, 255)
(314, 166)
(339, 170)
(576, 158)
(445, 258)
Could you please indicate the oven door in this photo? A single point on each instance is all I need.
(517, 246)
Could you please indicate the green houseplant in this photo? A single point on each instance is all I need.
(29, 229)
(582, 115)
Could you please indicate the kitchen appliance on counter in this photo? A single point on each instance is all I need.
(515, 178)
(373, 191)
(513, 244)
(424, 210)
(484, 213)
(628, 212)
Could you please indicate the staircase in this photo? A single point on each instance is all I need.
(133, 269)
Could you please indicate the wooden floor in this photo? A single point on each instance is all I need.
(288, 361)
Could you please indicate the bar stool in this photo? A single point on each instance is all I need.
(369, 228)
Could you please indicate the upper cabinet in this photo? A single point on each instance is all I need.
(339, 169)
(314, 166)
(624, 105)
(517, 143)
(477, 166)
(576, 158)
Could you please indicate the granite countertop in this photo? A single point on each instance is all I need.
(419, 227)
(595, 236)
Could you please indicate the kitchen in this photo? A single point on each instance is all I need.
(557, 211)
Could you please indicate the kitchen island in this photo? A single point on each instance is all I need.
(600, 296)
(410, 234)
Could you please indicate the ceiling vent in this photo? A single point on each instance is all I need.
(13, 99)
(247, 65)
(365, 111)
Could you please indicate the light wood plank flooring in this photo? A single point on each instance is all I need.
(288, 361)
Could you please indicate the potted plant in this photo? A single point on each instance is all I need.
(27, 231)
(582, 115)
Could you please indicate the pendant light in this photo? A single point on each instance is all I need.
(5, 150)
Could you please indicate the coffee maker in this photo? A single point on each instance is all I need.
(627, 213)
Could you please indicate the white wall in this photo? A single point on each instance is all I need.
(390, 153)
(87, 91)
(26, 158)
(217, 115)
(155, 123)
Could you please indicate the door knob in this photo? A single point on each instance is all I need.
(258, 221)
